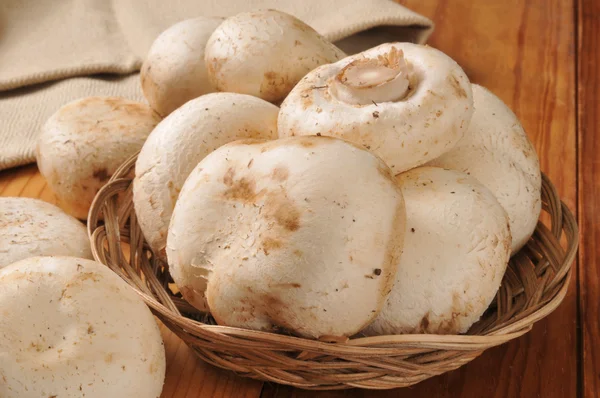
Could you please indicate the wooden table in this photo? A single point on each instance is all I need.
(541, 58)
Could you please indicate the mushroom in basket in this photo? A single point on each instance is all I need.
(302, 233)
(405, 102)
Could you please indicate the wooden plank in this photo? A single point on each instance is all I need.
(589, 192)
(523, 52)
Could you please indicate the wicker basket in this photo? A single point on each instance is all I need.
(535, 283)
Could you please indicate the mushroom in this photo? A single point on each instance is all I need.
(182, 140)
(31, 227)
(265, 53)
(85, 141)
(407, 103)
(496, 151)
(72, 328)
(174, 71)
(300, 233)
(456, 249)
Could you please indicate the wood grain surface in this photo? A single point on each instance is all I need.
(527, 53)
(588, 100)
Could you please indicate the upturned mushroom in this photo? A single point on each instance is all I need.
(85, 141)
(456, 250)
(496, 151)
(182, 140)
(301, 233)
(31, 227)
(72, 328)
(174, 71)
(407, 103)
(265, 53)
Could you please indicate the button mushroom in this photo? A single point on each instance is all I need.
(72, 328)
(85, 141)
(406, 102)
(456, 249)
(31, 227)
(174, 71)
(496, 151)
(300, 233)
(265, 53)
(182, 140)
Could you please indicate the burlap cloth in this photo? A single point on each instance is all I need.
(52, 51)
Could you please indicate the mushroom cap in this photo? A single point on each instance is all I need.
(301, 233)
(182, 140)
(405, 133)
(85, 141)
(31, 227)
(265, 53)
(456, 249)
(496, 151)
(70, 328)
(174, 71)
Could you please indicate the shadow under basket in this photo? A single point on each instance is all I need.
(535, 283)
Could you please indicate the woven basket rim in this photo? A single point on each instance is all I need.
(218, 338)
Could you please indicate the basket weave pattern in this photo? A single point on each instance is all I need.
(535, 283)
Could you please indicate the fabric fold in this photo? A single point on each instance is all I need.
(52, 50)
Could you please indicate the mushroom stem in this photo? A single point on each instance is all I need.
(368, 80)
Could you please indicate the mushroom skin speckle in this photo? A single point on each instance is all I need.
(31, 227)
(72, 328)
(85, 142)
(182, 140)
(456, 250)
(407, 103)
(496, 151)
(300, 233)
(265, 53)
(174, 71)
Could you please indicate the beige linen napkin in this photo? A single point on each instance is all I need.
(43, 41)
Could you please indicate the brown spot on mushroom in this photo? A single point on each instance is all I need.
(294, 285)
(424, 324)
(297, 43)
(458, 90)
(306, 142)
(275, 86)
(241, 190)
(298, 253)
(108, 358)
(280, 208)
(228, 177)
(101, 174)
(250, 163)
(270, 244)
(280, 173)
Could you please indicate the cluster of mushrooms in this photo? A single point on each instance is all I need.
(286, 186)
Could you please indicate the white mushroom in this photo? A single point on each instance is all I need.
(496, 151)
(174, 71)
(456, 249)
(31, 227)
(182, 140)
(265, 53)
(301, 233)
(406, 102)
(72, 328)
(85, 141)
